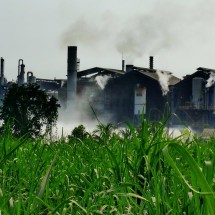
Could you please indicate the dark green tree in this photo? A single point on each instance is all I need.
(28, 110)
(78, 133)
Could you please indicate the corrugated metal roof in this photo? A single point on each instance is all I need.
(100, 70)
(145, 71)
(205, 69)
(152, 74)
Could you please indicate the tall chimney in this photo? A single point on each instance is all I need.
(151, 62)
(21, 72)
(2, 71)
(71, 74)
(123, 65)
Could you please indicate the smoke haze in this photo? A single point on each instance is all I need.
(164, 27)
(83, 112)
(179, 33)
(102, 80)
(163, 78)
(84, 32)
(211, 80)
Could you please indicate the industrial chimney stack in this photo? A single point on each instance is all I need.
(123, 65)
(71, 74)
(2, 72)
(21, 72)
(151, 62)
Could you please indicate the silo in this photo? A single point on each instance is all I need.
(71, 74)
(31, 79)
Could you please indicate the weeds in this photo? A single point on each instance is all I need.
(137, 171)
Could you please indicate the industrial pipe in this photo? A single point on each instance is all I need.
(71, 74)
(2, 72)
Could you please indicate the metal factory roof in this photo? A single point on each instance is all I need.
(152, 74)
(48, 84)
(99, 71)
(200, 72)
(205, 69)
(92, 72)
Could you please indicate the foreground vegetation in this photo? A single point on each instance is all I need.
(134, 171)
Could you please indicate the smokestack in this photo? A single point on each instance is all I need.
(21, 72)
(151, 62)
(2, 71)
(71, 74)
(123, 65)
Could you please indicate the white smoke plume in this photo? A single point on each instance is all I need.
(211, 80)
(84, 112)
(102, 80)
(163, 78)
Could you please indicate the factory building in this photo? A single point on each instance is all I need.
(194, 98)
(126, 94)
(91, 84)
(138, 91)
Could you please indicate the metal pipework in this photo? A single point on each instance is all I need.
(20, 62)
(31, 78)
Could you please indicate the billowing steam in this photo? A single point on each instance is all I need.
(143, 34)
(84, 112)
(211, 80)
(84, 32)
(163, 78)
(102, 80)
(159, 28)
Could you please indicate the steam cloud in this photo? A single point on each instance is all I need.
(166, 26)
(102, 80)
(143, 34)
(211, 80)
(81, 113)
(82, 31)
(163, 78)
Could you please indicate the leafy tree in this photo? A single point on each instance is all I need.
(78, 133)
(28, 110)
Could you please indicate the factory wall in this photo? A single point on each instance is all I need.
(120, 97)
(194, 103)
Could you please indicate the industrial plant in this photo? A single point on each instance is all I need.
(128, 93)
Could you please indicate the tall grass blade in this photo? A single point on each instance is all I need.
(206, 190)
(11, 152)
(45, 179)
(76, 203)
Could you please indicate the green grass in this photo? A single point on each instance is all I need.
(135, 171)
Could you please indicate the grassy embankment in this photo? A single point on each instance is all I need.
(135, 172)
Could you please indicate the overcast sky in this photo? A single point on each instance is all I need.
(179, 33)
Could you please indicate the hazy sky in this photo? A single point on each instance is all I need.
(179, 33)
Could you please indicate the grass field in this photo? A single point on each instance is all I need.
(135, 171)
